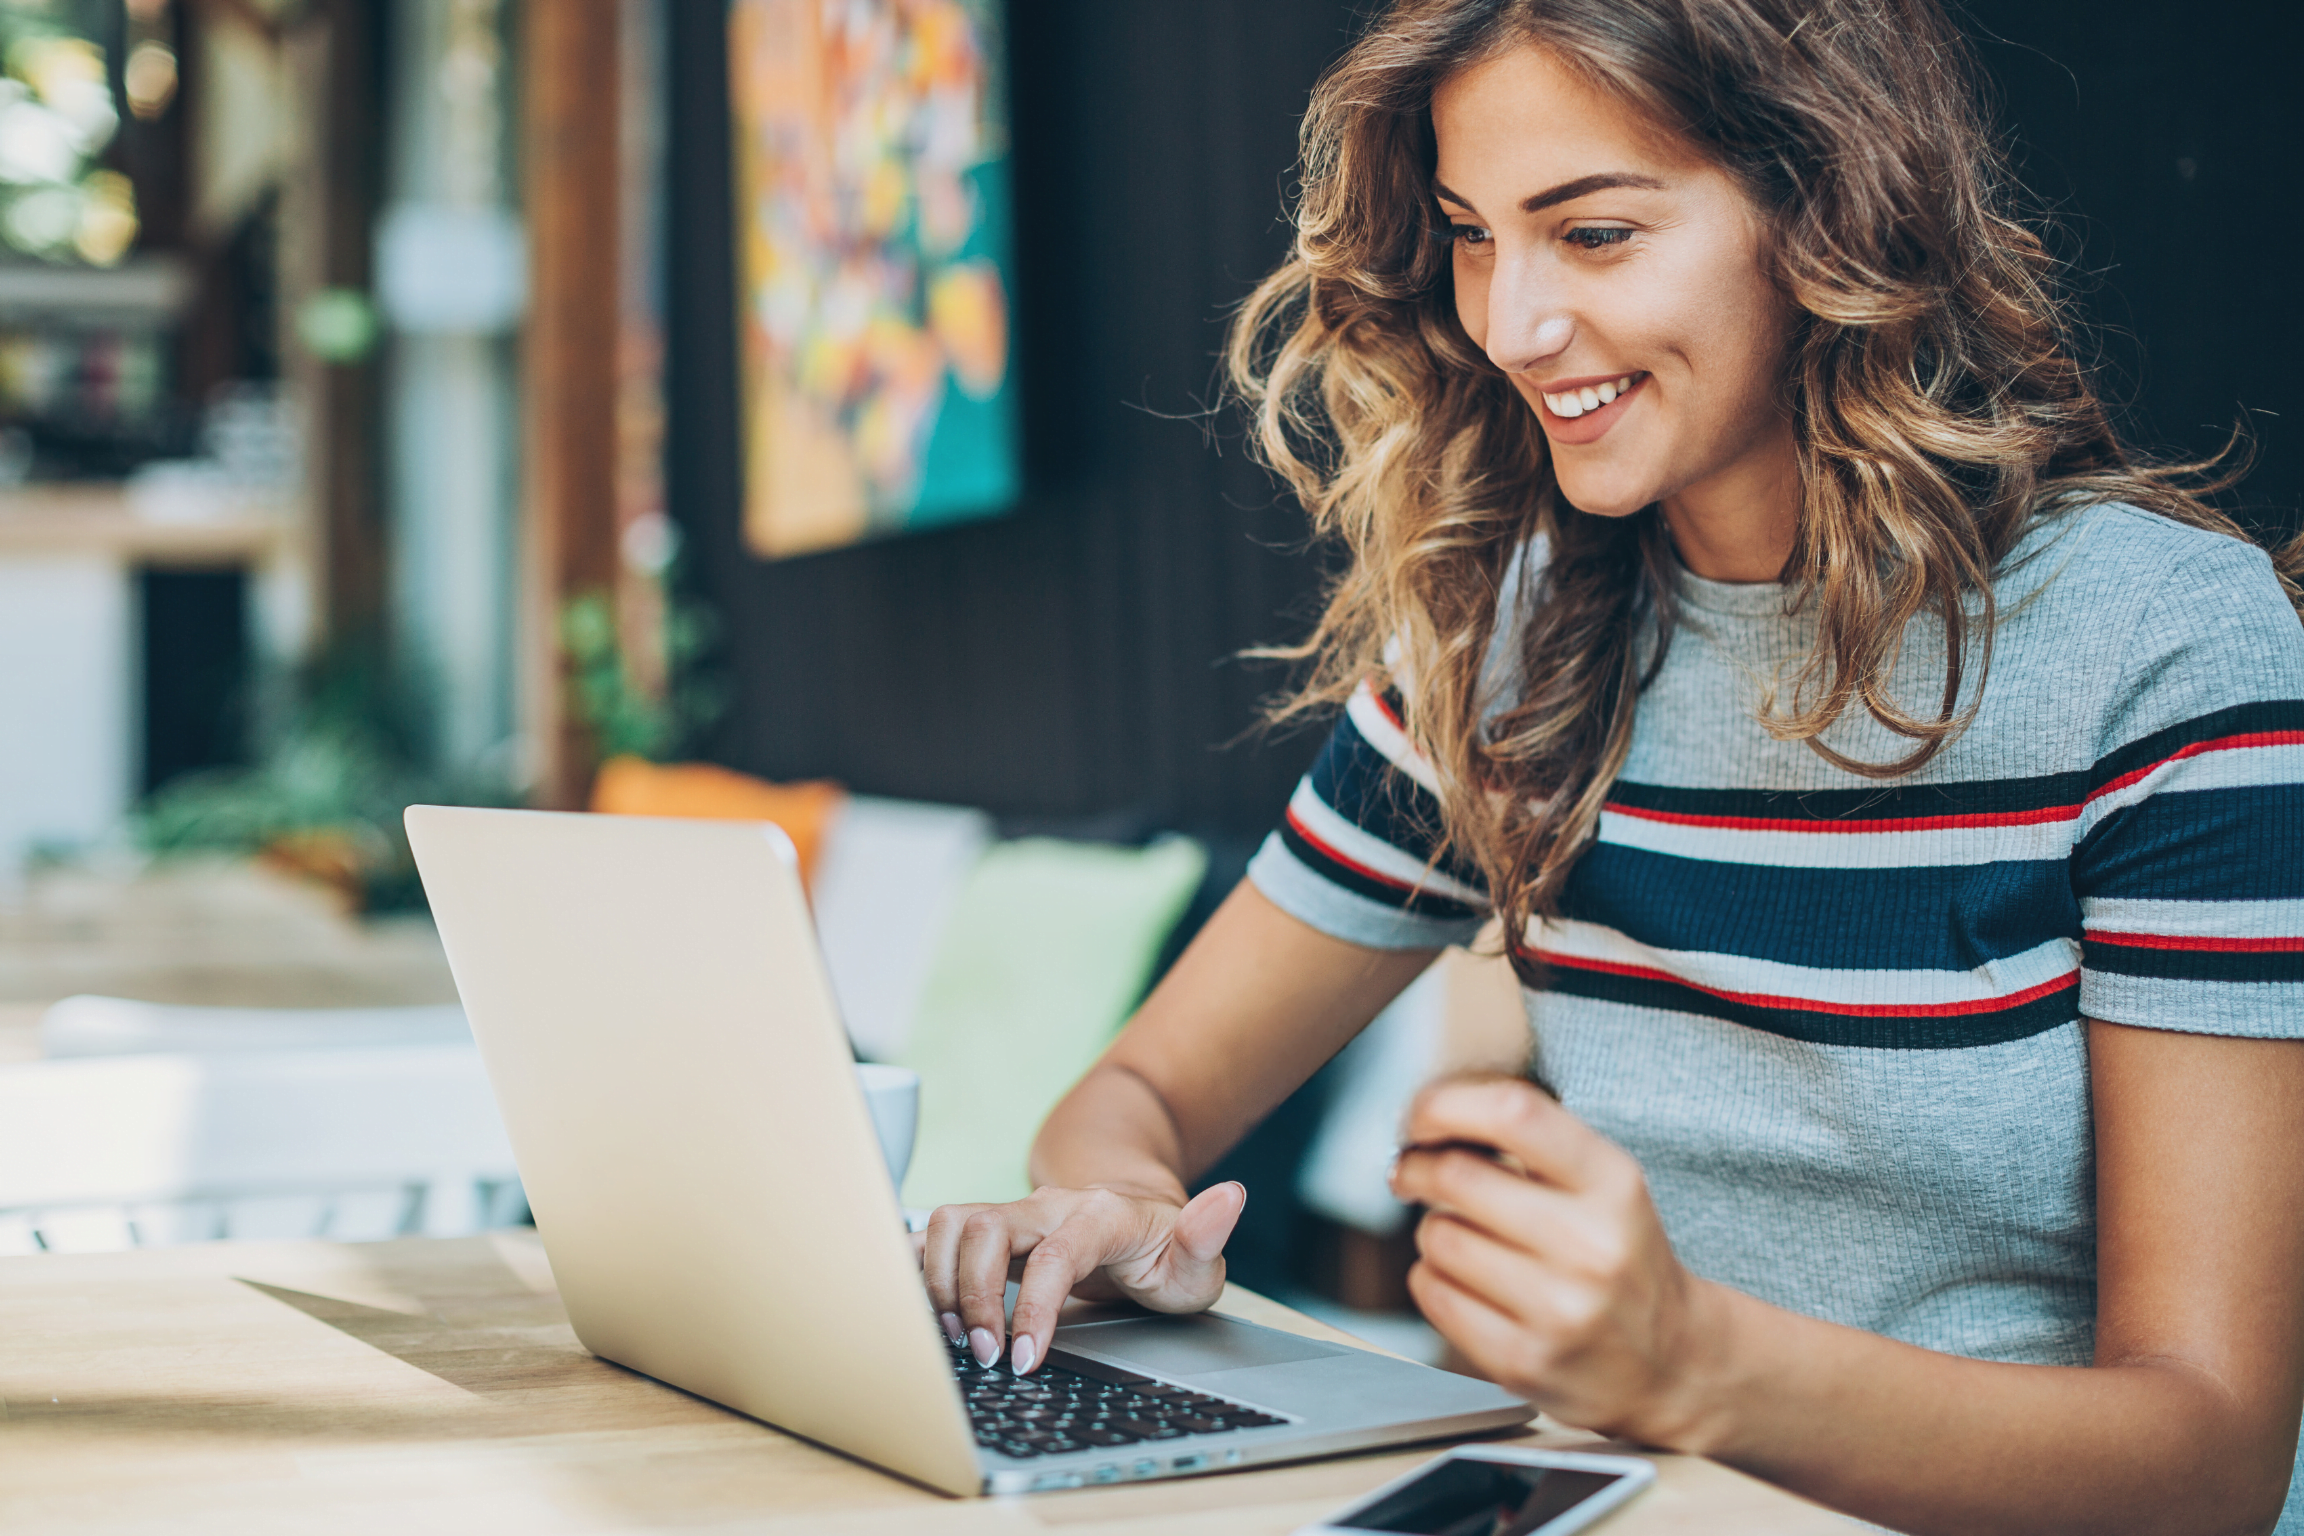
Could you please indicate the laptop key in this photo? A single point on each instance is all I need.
(1149, 1429)
(1092, 1370)
(1058, 1409)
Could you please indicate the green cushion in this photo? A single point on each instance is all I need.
(1048, 949)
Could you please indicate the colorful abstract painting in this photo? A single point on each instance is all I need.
(874, 267)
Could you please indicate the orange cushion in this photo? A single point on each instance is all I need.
(632, 786)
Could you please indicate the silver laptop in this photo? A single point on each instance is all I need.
(679, 1092)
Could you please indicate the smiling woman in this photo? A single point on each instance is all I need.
(1791, 228)
(1892, 792)
(1655, 266)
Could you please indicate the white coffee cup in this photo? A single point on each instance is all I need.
(893, 1096)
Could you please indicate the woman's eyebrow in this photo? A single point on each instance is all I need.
(1567, 191)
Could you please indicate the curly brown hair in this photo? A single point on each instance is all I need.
(1937, 401)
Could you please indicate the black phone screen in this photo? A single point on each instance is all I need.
(1465, 1496)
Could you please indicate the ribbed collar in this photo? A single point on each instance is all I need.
(1739, 599)
(2022, 572)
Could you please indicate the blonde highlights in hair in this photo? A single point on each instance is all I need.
(1937, 403)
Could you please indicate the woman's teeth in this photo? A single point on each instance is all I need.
(1575, 402)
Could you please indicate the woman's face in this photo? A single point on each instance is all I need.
(1616, 278)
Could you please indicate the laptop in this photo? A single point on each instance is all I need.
(682, 1102)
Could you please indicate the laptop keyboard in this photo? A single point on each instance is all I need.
(1080, 1405)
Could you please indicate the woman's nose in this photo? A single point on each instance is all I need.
(1527, 339)
(1528, 325)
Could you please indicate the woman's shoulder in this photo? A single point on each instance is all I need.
(2117, 539)
(2115, 563)
(2158, 622)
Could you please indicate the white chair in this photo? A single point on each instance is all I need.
(142, 1150)
(1345, 1175)
(887, 880)
(1465, 1014)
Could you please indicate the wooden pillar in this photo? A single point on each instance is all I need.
(328, 210)
(569, 153)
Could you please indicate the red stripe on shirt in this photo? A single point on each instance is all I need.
(1909, 824)
(1384, 708)
(2274, 946)
(1812, 1005)
(1973, 819)
(1328, 851)
(2218, 744)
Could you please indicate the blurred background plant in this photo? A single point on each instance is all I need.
(56, 119)
(351, 749)
(348, 754)
(626, 717)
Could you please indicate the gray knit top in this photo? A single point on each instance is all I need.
(1838, 1019)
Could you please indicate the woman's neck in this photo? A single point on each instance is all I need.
(1738, 525)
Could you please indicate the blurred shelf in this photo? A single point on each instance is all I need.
(100, 518)
(147, 291)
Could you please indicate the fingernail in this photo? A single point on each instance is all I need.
(951, 1322)
(1021, 1354)
(985, 1347)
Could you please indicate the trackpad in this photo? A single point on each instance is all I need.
(1197, 1345)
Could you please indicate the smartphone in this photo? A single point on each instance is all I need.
(1494, 1491)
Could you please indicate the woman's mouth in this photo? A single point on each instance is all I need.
(1581, 412)
(1572, 403)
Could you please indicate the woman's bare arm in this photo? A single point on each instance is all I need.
(1560, 1284)
(1253, 1008)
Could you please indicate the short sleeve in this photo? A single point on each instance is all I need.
(2189, 860)
(1354, 855)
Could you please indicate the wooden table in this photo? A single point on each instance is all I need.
(213, 931)
(434, 1386)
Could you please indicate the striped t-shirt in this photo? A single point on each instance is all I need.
(1838, 1019)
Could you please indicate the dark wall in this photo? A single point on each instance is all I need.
(1072, 660)
(2165, 141)
(1068, 660)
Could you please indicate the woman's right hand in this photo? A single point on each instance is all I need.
(1095, 1242)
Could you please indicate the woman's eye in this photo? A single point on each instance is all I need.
(1594, 237)
(1464, 234)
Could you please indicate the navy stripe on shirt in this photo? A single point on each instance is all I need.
(1361, 881)
(1928, 879)
(1877, 1028)
(1934, 917)
(1981, 802)
(2269, 722)
(2178, 960)
(1361, 785)
(2243, 843)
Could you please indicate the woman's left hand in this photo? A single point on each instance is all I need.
(1548, 1267)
